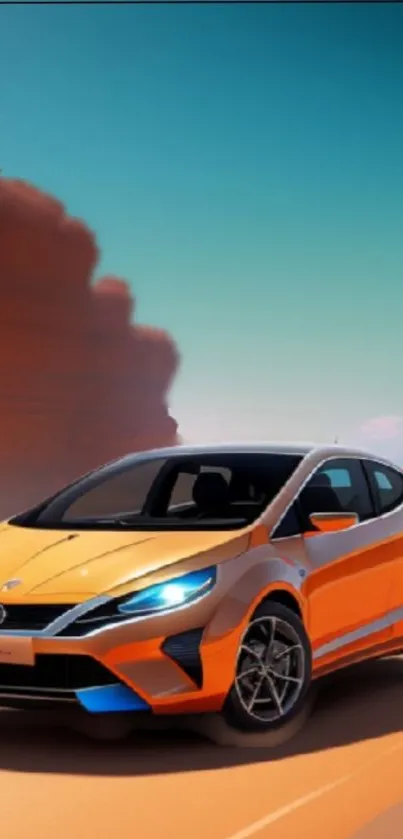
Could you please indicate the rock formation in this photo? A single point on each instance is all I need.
(80, 382)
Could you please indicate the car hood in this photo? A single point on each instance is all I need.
(66, 565)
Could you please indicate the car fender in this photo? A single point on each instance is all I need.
(250, 579)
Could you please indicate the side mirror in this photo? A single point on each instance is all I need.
(331, 522)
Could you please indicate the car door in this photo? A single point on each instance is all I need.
(350, 582)
(387, 488)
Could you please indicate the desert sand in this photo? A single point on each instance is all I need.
(340, 777)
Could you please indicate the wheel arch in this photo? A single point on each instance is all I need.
(284, 598)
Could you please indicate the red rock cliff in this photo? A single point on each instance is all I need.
(80, 383)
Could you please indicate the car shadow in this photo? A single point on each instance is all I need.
(361, 703)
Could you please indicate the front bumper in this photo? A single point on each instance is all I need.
(177, 662)
(167, 664)
(65, 680)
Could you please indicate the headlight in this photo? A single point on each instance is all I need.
(165, 596)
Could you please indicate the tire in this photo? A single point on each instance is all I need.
(275, 693)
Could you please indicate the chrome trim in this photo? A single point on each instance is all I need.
(42, 689)
(60, 623)
(338, 456)
(287, 538)
(28, 697)
(73, 614)
(115, 624)
(69, 617)
(372, 628)
(120, 618)
(99, 687)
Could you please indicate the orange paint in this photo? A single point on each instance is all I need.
(335, 594)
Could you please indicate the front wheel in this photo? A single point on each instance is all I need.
(271, 688)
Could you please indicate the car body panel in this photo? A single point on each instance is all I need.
(356, 585)
(350, 584)
(82, 564)
(225, 613)
(346, 585)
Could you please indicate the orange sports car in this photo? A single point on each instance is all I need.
(206, 579)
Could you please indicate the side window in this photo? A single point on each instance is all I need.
(387, 485)
(338, 486)
(339, 477)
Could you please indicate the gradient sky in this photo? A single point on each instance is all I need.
(242, 167)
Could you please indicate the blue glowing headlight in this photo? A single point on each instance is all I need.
(165, 596)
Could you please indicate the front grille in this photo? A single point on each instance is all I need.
(66, 673)
(31, 617)
(96, 619)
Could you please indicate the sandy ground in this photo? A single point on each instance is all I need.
(341, 777)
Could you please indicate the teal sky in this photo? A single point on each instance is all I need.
(242, 167)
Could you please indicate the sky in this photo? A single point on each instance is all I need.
(242, 167)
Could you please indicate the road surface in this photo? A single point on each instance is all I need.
(333, 780)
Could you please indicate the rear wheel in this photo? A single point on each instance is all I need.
(271, 689)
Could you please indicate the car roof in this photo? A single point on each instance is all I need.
(317, 451)
(239, 448)
(316, 454)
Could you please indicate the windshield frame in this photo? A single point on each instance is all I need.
(49, 514)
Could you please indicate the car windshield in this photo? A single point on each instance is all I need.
(195, 492)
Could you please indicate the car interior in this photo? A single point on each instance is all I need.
(241, 490)
(185, 491)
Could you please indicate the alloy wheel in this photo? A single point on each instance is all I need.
(270, 669)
